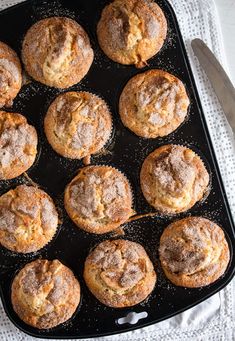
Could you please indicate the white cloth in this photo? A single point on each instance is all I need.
(212, 320)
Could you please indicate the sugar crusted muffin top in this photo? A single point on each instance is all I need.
(131, 32)
(173, 178)
(56, 51)
(10, 75)
(45, 293)
(119, 273)
(78, 124)
(193, 252)
(153, 104)
(18, 145)
(99, 199)
(28, 219)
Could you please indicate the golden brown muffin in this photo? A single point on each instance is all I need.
(45, 293)
(132, 31)
(18, 145)
(173, 178)
(193, 252)
(153, 104)
(119, 273)
(10, 75)
(28, 219)
(78, 124)
(56, 51)
(98, 199)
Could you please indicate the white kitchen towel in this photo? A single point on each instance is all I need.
(214, 319)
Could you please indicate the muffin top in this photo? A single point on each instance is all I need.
(78, 124)
(153, 104)
(18, 145)
(99, 199)
(28, 219)
(132, 31)
(10, 75)
(56, 51)
(45, 293)
(173, 178)
(193, 252)
(119, 273)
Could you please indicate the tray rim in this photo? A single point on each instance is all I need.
(220, 182)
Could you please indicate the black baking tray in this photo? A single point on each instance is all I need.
(125, 152)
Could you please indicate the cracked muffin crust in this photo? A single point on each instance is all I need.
(119, 273)
(28, 219)
(193, 252)
(173, 178)
(56, 51)
(78, 124)
(98, 199)
(131, 32)
(10, 75)
(18, 145)
(153, 104)
(45, 293)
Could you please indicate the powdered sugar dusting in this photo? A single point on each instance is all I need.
(13, 145)
(85, 48)
(10, 68)
(83, 137)
(49, 214)
(155, 118)
(153, 28)
(173, 171)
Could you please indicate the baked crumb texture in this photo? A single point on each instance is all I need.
(45, 293)
(132, 31)
(78, 124)
(99, 199)
(18, 145)
(28, 219)
(119, 273)
(10, 75)
(56, 51)
(153, 104)
(193, 252)
(173, 178)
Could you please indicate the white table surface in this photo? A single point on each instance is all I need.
(226, 11)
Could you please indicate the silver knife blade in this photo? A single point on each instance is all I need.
(220, 81)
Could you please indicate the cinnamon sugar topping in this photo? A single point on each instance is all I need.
(78, 124)
(28, 219)
(99, 195)
(18, 145)
(173, 178)
(193, 251)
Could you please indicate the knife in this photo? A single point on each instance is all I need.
(220, 81)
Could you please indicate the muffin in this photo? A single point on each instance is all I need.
(28, 219)
(173, 178)
(18, 145)
(78, 124)
(153, 104)
(193, 252)
(10, 75)
(98, 199)
(119, 273)
(56, 51)
(45, 293)
(132, 31)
